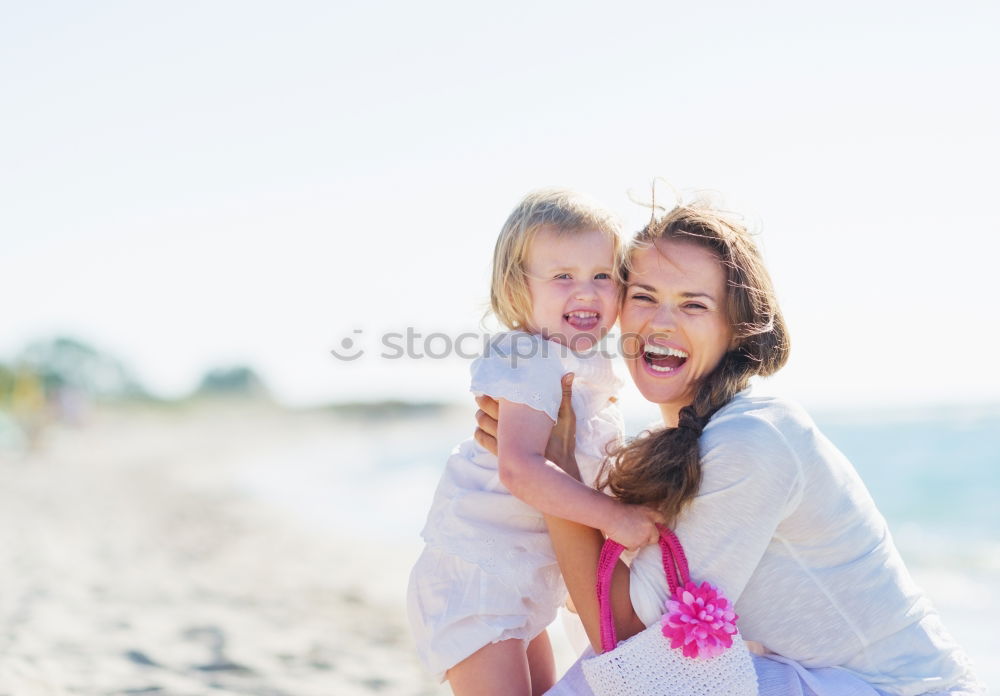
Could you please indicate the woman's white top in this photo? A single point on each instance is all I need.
(783, 524)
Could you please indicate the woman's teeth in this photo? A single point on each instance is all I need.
(663, 358)
(664, 350)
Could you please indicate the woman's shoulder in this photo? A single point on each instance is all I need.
(757, 434)
(751, 412)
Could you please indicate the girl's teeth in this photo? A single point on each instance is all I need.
(582, 321)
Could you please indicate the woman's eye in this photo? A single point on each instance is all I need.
(695, 305)
(642, 298)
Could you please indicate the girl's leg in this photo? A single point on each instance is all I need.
(497, 669)
(541, 664)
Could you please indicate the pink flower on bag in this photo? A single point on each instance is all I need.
(700, 621)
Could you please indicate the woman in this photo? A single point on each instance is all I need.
(765, 506)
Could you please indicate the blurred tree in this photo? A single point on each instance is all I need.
(67, 363)
(6, 385)
(236, 380)
(27, 405)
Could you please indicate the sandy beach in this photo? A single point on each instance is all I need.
(133, 562)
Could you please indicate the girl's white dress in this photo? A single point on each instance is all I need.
(488, 572)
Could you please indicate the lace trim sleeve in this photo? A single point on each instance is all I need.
(523, 370)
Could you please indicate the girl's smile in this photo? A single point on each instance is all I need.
(582, 320)
(574, 298)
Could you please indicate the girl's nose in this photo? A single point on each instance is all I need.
(585, 290)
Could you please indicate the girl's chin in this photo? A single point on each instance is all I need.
(584, 340)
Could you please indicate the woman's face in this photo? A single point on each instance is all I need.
(674, 322)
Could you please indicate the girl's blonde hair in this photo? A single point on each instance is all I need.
(565, 212)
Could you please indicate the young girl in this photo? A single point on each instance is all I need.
(487, 583)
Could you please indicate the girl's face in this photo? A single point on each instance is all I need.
(674, 322)
(574, 298)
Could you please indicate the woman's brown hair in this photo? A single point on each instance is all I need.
(662, 468)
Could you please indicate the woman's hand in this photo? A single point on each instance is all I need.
(561, 447)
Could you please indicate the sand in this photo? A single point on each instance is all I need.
(134, 563)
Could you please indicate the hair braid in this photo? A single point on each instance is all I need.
(663, 468)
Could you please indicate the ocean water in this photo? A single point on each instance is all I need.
(935, 475)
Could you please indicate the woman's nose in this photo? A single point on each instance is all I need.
(663, 319)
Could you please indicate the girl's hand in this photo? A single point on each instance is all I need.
(561, 447)
(635, 526)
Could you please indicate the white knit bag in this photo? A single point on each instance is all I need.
(704, 655)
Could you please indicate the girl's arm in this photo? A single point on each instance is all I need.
(522, 436)
(577, 546)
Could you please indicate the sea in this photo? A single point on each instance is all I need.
(933, 472)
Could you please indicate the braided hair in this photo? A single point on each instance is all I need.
(662, 468)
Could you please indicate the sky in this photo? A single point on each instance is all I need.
(188, 185)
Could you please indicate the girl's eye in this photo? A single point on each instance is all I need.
(563, 276)
(602, 276)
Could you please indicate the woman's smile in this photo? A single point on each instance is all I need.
(674, 320)
(664, 360)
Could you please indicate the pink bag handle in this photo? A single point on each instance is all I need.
(675, 566)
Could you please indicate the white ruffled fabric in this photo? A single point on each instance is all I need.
(488, 571)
